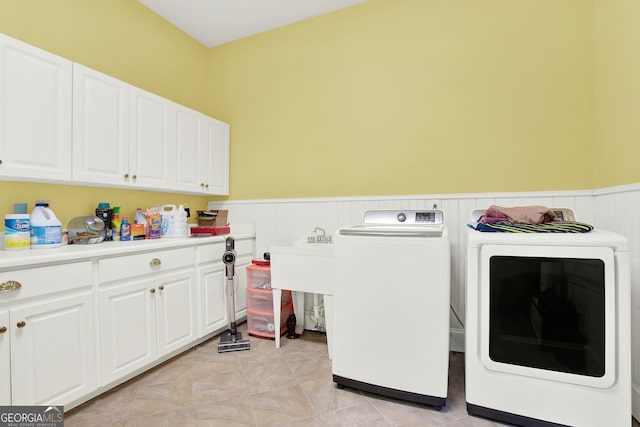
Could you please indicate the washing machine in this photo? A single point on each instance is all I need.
(391, 305)
(547, 331)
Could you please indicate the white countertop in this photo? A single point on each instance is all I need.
(69, 253)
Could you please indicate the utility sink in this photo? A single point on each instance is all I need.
(304, 267)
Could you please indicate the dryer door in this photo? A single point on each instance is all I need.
(548, 312)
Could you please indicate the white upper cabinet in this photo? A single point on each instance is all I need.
(188, 175)
(202, 153)
(63, 122)
(100, 128)
(35, 113)
(152, 141)
(214, 167)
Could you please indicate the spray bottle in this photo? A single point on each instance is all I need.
(115, 223)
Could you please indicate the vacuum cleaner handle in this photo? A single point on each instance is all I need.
(229, 257)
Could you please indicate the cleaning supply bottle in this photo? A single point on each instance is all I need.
(46, 228)
(104, 212)
(125, 229)
(115, 223)
(182, 221)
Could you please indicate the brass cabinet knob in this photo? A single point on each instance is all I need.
(0, 162)
(154, 262)
(10, 285)
(3, 329)
(126, 176)
(135, 177)
(21, 324)
(206, 186)
(202, 184)
(161, 287)
(152, 290)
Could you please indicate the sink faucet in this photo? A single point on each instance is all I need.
(323, 238)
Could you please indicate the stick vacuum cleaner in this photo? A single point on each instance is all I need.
(232, 339)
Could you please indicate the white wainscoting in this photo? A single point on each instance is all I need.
(618, 209)
(285, 221)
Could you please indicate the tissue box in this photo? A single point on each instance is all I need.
(213, 218)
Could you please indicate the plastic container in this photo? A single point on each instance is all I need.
(262, 299)
(262, 324)
(259, 276)
(46, 228)
(174, 221)
(125, 230)
(17, 232)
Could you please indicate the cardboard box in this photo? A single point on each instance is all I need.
(137, 230)
(207, 220)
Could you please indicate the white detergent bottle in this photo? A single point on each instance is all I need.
(46, 228)
(184, 226)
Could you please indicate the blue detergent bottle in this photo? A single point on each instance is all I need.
(125, 229)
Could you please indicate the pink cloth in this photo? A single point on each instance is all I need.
(519, 214)
(493, 215)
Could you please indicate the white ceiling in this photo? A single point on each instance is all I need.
(215, 22)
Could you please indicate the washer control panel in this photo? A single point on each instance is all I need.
(404, 217)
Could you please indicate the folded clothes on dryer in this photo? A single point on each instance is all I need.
(518, 214)
(547, 227)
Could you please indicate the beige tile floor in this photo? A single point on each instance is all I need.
(265, 386)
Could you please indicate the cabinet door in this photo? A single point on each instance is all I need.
(176, 311)
(100, 128)
(35, 112)
(214, 157)
(187, 149)
(212, 299)
(127, 328)
(5, 360)
(242, 262)
(53, 351)
(152, 141)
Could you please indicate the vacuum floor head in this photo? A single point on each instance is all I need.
(233, 342)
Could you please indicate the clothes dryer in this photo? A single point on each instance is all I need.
(548, 328)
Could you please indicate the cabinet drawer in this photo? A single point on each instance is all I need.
(213, 252)
(45, 280)
(128, 266)
(210, 253)
(244, 247)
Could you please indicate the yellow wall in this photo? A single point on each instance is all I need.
(617, 92)
(126, 40)
(387, 97)
(410, 97)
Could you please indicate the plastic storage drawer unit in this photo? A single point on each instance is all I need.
(261, 324)
(262, 299)
(259, 277)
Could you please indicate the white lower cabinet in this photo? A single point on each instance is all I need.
(53, 351)
(127, 328)
(5, 359)
(148, 317)
(212, 281)
(72, 329)
(176, 311)
(242, 262)
(47, 341)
